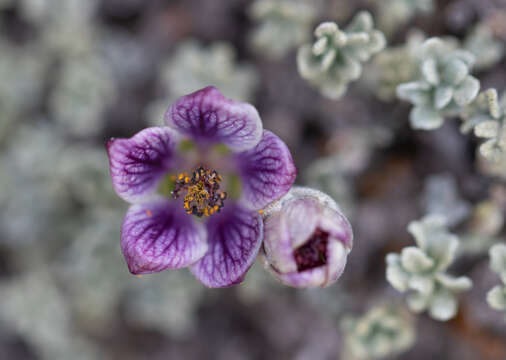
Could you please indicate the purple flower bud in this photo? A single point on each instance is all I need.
(306, 239)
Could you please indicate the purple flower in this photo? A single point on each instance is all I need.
(306, 239)
(196, 188)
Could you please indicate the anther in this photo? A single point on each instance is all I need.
(201, 190)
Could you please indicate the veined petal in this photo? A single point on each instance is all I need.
(136, 164)
(267, 171)
(234, 238)
(208, 117)
(159, 235)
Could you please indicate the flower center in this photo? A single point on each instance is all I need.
(201, 190)
(313, 253)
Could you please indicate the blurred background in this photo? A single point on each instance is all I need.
(74, 73)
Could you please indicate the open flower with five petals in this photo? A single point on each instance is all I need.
(196, 187)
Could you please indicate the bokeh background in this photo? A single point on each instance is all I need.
(74, 73)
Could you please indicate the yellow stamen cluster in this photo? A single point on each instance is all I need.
(203, 196)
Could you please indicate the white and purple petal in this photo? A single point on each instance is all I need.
(267, 171)
(159, 235)
(138, 163)
(208, 117)
(234, 238)
(279, 251)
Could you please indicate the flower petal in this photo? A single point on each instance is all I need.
(267, 171)
(336, 258)
(315, 277)
(234, 237)
(339, 228)
(302, 217)
(321, 276)
(136, 164)
(277, 245)
(208, 117)
(159, 235)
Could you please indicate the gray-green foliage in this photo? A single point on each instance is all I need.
(44, 184)
(482, 44)
(487, 116)
(392, 14)
(496, 168)
(485, 224)
(326, 175)
(84, 89)
(64, 25)
(385, 330)
(421, 270)
(396, 65)
(335, 59)
(258, 283)
(479, 110)
(94, 252)
(444, 87)
(87, 180)
(22, 70)
(34, 198)
(283, 25)
(83, 85)
(441, 197)
(166, 302)
(496, 297)
(350, 151)
(33, 306)
(482, 222)
(192, 67)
